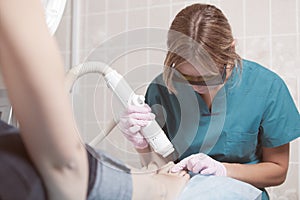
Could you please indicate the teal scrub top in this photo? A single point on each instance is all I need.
(253, 109)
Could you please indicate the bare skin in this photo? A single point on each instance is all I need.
(148, 156)
(153, 182)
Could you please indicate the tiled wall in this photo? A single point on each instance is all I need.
(267, 31)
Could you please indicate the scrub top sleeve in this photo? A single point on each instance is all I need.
(281, 119)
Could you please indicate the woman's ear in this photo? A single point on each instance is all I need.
(233, 43)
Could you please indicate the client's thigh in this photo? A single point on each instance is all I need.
(219, 188)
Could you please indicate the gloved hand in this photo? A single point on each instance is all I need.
(131, 122)
(201, 163)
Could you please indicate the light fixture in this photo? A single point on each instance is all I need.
(54, 10)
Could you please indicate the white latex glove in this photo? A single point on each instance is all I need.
(201, 163)
(131, 122)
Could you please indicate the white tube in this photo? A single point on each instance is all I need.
(91, 67)
(105, 132)
(152, 132)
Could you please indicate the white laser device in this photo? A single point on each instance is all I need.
(153, 133)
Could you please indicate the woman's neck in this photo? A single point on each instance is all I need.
(209, 97)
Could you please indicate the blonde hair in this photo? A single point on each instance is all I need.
(200, 35)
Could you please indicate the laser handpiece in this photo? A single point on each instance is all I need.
(152, 132)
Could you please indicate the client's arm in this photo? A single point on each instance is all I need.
(34, 76)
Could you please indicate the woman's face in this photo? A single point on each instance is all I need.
(189, 70)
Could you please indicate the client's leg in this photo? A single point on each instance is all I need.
(157, 186)
(115, 181)
(218, 188)
(154, 182)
